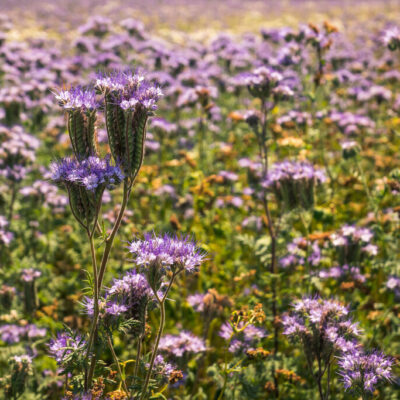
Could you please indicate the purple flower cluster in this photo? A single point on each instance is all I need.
(351, 124)
(293, 183)
(162, 367)
(127, 297)
(77, 99)
(292, 170)
(30, 274)
(5, 236)
(363, 372)
(352, 242)
(295, 117)
(163, 125)
(393, 284)
(47, 194)
(391, 38)
(297, 253)
(264, 81)
(244, 340)
(167, 251)
(90, 173)
(65, 344)
(130, 90)
(11, 333)
(196, 301)
(17, 151)
(343, 272)
(183, 344)
(323, 326)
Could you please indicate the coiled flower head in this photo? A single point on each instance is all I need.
(363, 372)
(85, 181)
(129, 100)
(157, 254)
(293, 183)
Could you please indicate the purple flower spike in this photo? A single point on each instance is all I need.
(77, 98)
(362, 372)
(89, 173)
(64, 345)
(167, 252)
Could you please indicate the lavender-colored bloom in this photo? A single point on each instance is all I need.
(363, 372)
(297, 253)
(65, 344)
(293, 183)
(345, 271)
(17, 152)
(132, 293)
(350, 123)
(391, 38)
(5, 236)
(77, 99)
(182, 344)
(352, 243)
(323, 326)
(47, 194)
(162, 367)
(15, 333)
(196, 301)
(129, 90)
(163, 125)
(89, 173)
(167, 251)
(296, 171)
(30, 274)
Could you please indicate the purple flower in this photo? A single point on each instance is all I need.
(352, 243)
(362, 372)
(5, 236)
(77, 99)
(17, 152)
(391, 38)
(14, 333)
(162, 367)
(324, 322)
(30, 274)
(295, 171)
(89, 173)
(163, 125)
(196, 301)
(182, 344)
(129, 90)
(132, 293)
(167, 252)
(65, 344)
(293, 183)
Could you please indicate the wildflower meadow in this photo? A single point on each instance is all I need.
(199, 200)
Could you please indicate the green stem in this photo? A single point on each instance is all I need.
(161, 302)
(371, 199)
(110, 345)
(99, 280)
(110, 239)
(95, 304)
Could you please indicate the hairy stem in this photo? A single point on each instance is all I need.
(263, 148)
(110, 239)
(95, 304)
(161, 302)
(110, 345)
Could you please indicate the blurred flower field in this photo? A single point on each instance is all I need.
(199, 200)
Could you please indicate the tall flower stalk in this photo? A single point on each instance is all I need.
(268, 86)
(129, 100)
(163, 258)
